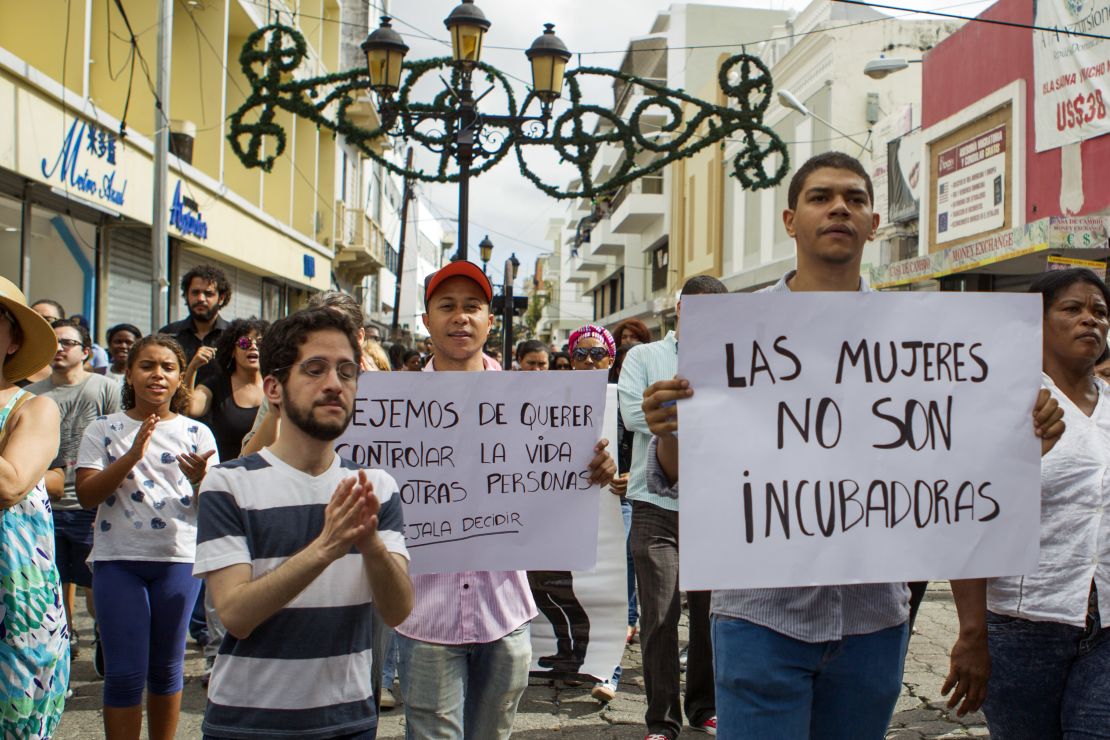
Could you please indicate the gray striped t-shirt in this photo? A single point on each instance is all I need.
(304, 672)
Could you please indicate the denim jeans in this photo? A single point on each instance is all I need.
(1048, 680)
(463, 691)
(633, 610)
(773, 687)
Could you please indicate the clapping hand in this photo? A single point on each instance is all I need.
(194, 465)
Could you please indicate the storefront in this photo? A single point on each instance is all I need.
(75, 225)
(1005, 261)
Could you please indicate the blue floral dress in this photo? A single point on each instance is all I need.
(34, 639)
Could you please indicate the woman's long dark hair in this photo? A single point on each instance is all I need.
(225, 345)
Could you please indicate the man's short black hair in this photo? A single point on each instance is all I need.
(51, 302)
(209, 274)
(831, 160)
(77, 326)
(703, 284)
(1054, 282)
(283, 340)
(527, 347)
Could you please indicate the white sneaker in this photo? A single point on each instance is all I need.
(604, 692)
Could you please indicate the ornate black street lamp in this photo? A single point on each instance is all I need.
(464, 123)
(485, 248)
(664, 126)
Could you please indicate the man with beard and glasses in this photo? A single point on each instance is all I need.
(295, 544)
(206, 290)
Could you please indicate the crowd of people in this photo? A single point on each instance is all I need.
(186, 482)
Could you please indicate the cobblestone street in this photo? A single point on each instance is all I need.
(569, 712)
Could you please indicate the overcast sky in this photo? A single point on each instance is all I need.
(502, 203)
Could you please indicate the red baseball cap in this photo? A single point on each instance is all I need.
(460, 268)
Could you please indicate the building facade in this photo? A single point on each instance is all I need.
(630, 249)
(999, 201)
(817, 58)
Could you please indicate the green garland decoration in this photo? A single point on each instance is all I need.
(273, 53)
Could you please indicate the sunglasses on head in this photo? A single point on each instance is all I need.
(597, 354)
(247, 342)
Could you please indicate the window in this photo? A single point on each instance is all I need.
(660, 266)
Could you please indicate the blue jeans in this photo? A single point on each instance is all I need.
(463, 691)
(633, 611)
(1048, 680)
(773, 687)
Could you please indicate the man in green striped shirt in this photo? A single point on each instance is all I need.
(654, 538)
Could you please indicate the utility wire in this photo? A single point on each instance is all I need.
(990, 21)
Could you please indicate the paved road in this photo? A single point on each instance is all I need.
(569, 713)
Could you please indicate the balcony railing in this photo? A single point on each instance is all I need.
(634, 89)
(649, 185)
(359, 241)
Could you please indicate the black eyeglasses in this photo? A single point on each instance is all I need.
(597, 354)
(247, 342)
(69, 343)
(316, 367)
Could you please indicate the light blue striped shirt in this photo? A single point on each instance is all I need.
(645, 364)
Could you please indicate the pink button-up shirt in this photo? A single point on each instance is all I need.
(472, 606)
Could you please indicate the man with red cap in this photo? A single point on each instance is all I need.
(465, 648)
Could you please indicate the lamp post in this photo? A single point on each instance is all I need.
(507, 308)
(879, 68)
(485, 248)
(385, 54)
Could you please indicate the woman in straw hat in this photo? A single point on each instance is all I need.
(34, 640)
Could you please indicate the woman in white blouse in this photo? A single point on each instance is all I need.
(1049, 648)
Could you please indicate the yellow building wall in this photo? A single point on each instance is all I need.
(195, 83)
(697, 223)
(36, 32)
(302, 193)
(109, 68)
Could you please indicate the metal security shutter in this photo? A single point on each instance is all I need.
(246, 300)
(246, 286)
(129, 274)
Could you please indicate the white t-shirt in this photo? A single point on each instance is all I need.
(152, 516)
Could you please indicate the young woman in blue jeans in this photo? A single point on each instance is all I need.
(142, 468)
(1047, 633)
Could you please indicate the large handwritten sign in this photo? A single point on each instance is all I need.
(854, 438)
(595, 630)
(492, 467)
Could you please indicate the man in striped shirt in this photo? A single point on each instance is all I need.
(295, 544)
(465, 649)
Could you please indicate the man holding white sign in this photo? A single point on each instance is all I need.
(465, 649)
(820, 661)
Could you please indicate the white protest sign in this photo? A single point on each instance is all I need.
(601, 593)
(838, 438)
(491, 467)
(1071, 74)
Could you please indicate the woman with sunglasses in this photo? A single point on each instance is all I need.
(228, 401)
(592, 347)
